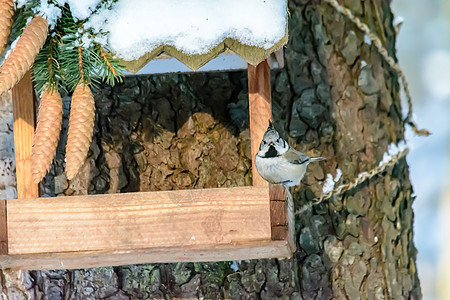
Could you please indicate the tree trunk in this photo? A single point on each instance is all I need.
(336, 97)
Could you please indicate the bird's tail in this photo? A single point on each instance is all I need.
(317, 158)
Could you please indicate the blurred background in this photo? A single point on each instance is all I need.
(423, 50)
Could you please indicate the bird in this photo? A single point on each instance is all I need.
(278, 163)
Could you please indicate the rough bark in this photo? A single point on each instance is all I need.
(336, 97)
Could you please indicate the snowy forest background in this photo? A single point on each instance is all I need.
(424, 54)
(423, 49)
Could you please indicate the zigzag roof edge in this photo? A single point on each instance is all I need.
(252, 54)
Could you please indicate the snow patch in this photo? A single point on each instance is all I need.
(329, 183)
(393, 149)
(82, 9)
(48, 11)
(397, 20)
(193, 27)
(338, 175)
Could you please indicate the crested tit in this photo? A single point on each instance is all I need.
(279, 163)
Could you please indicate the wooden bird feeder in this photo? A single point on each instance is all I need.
(162, 226)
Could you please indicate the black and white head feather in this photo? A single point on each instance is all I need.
(272, 144)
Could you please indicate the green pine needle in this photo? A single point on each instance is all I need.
(64, 61)
(110, 68)
(46, 69)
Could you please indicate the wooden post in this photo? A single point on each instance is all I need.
(281, 211)
(260, 110)
(24, 124)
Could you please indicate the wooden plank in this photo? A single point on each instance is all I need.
(24, 124)
(3, 229)
(282, 216)
(82, 260)
(278, 212)
(260, 110)
(184, 218)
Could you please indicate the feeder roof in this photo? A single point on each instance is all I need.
(193, 31)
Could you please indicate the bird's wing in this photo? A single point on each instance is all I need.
(296, 157)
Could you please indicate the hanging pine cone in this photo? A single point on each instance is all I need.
(22, 56)
(6, 21)
(47, 133)
(81, 124)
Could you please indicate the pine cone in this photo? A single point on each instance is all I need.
(47, 133)
(6, 21)
(22, 56)
(81, 124)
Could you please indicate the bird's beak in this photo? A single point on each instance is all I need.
(271, 144)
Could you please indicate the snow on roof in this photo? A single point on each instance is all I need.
(193, 27)
(81, 9)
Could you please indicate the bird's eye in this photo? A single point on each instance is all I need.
(264, 142)
(278, 140)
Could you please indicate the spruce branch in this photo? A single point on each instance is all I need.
(110, 68)
(80, 63)
(104, 55)
(71, 55)
(46, 69)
